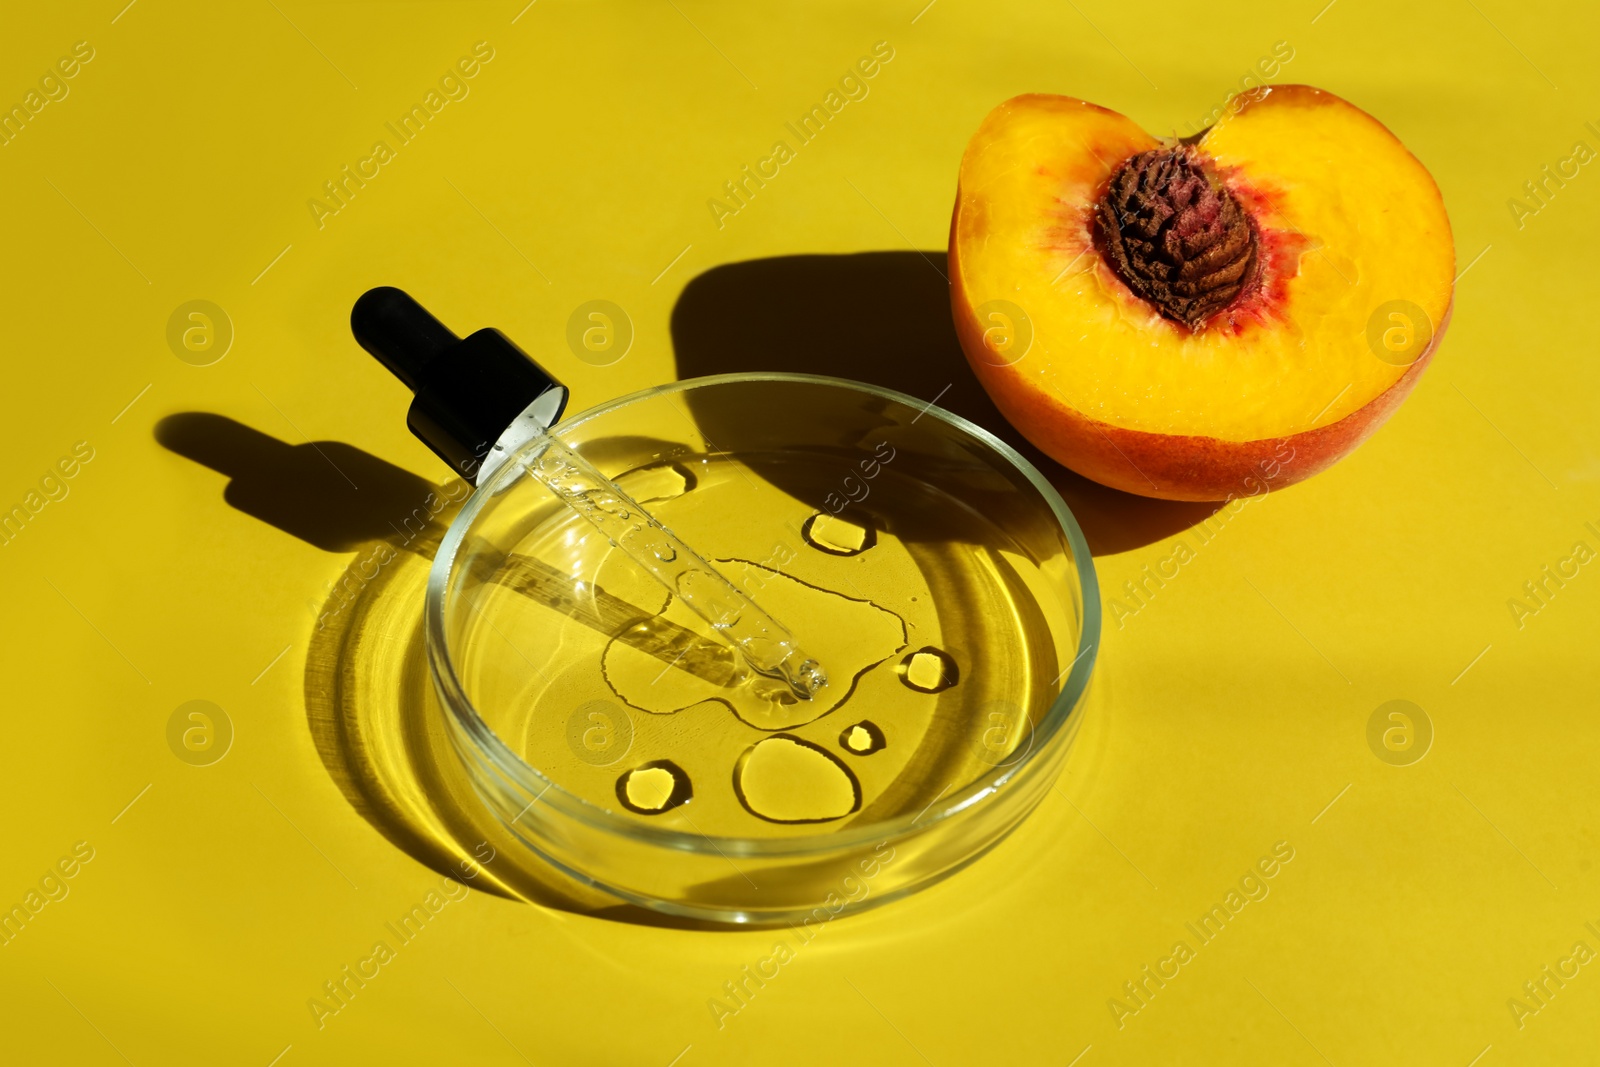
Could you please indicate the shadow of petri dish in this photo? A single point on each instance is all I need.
(370, 703)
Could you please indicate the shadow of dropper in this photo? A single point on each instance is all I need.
(326, 493)
(339, 498)
(367, 689)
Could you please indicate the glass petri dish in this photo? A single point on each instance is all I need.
(939, 578)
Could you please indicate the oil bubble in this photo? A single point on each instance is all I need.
(863, 738)
(654, 787)
(839, 535)
(929, 670)
(784, 779)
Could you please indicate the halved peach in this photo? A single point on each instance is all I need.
(1201, 318)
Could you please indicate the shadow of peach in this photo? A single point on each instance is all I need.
(884, 318)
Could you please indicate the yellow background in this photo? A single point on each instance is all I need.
(1227, 714)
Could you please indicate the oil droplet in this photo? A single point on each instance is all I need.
(654, 787)
(929, 670)
(647, 540)
(864, 738)
(784, 779)
(773, 691)
(839, 536)
(660, 482)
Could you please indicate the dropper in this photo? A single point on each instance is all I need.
(480, 399)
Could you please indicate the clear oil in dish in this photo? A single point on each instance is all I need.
(933, 624)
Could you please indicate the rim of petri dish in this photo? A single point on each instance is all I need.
(568, 804)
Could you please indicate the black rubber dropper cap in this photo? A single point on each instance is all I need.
(469, 392)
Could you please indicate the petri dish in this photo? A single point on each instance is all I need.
(942, 582)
